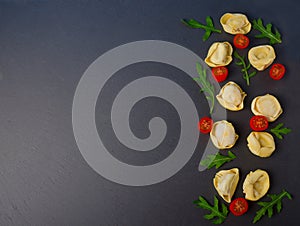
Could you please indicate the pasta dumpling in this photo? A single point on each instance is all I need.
(256, 185)
(261, 57)
(231, 97)
(223, 134)
(261, 144)
(219, 54)
(225, 182)
(268, 106)
(235, 23)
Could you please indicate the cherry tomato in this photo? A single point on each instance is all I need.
(277, 71)
(241, 41)
(219, 73)
(259, 123)
(205, 124)
(238, 206)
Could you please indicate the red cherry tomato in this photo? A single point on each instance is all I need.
(241, 41)
(205, 124)
(238, 206)
(219, 73)
(259, 123)
(277, 71)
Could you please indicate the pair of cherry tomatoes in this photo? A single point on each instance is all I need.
(276, 72)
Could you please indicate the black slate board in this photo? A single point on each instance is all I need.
(45, 47)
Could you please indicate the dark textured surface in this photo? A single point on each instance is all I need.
(45, 46)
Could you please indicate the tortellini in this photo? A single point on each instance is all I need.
(235, 23)
(225, 182)
(219, 54)
(268, 106)
(261, 57)
(261, 143)
(223, 134)
(256, 185)
(231, 97)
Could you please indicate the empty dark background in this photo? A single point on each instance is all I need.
(45, 47)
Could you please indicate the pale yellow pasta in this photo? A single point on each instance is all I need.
(268, 106)
(219, 54)
(261, 57)
(223, 134)
(256, 185)
(261, 144)
(231, 96)
(225, 182)
(235, 23)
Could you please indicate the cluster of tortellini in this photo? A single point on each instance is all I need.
(255, 186)
(220, 53)
(231, 97)
(223, 134)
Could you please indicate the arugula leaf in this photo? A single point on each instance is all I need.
(266, 32)
(278, 130)
(217, 160)
(245, 66)
(209, 27)
(217, 216)
(268, 206)
(206, 86)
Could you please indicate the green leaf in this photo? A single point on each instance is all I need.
(239, 63)
(252, 74)
(269, 27)
(217, 216)
(208, 97)
(279, 130)
(206, 86)
(206, 35)
(279, 207)
(217, 160)
(209, 21)
(266, 32)
(268, 206)
(270, 212)
(209, 27)
(259, 36)
(209, 216)
(245, 67)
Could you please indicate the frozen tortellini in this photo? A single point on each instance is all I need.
(261, 143)
(261, 57)
(256, 185)
(223, 134)
(235, 23)
(225, 182)
(219, 54)
(231, 97)
(268, 106)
